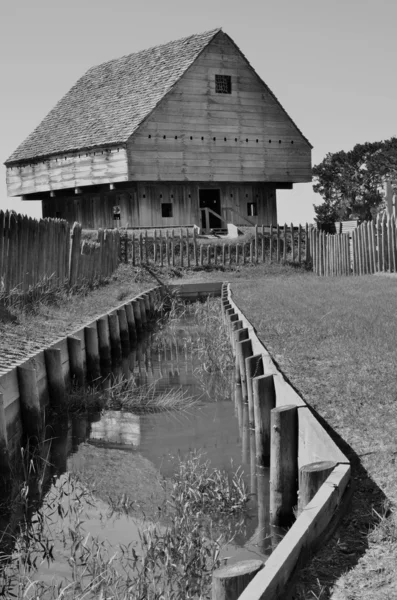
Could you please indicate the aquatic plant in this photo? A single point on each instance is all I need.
(127, 396)
(174, 558)
(124, 394)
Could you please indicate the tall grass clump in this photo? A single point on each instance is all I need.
(47, 292)
(214, 352)
(173, 558)
(125, 395)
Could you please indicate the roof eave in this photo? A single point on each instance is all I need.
(44, 157)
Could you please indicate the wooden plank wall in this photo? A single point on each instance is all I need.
(196, 134)
(106, 165)
(182, 247)
(370, 248)
(35, 252)
(140, 204)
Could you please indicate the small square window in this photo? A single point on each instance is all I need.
(252, 209)
(223, 84)
(166, 210)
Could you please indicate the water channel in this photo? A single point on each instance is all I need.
(122, 454)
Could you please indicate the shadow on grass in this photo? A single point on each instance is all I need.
(349, 542)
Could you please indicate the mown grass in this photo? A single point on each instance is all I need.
(335, 338)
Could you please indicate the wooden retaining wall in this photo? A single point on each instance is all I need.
(11, 419)
(314, 445)
(11, 409)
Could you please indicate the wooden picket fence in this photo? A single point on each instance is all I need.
(183, 248)
(91, 261)
(370, 248)
(35, 251)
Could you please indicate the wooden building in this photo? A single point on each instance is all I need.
(179, 134)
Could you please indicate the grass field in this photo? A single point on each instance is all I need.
(335, 339)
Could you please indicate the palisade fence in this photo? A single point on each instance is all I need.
(48, 250)
(182, 247)
(370, 248)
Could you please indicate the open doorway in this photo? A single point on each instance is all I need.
(210, 198)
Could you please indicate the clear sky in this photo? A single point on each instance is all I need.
(330, 63)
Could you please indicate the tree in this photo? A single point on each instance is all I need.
(351, 183)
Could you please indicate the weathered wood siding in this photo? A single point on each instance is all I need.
(196, 134)
(140, 204)
(68, 171)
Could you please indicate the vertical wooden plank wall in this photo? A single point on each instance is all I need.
(180, 247)
(370, 248)
(43, 252)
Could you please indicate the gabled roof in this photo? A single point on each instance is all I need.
(111, 100)
(108, 104)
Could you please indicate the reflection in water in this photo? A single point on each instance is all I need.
(121, 452)
(117, 428)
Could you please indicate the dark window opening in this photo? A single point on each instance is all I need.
(223, 84)
(166, 210)
(252, 209)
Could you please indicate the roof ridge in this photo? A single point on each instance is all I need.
(212, 32)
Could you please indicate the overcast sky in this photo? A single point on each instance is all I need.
(330, 63)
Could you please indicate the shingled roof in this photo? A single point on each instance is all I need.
(111, 100)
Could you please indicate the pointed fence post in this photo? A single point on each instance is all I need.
(75, 252)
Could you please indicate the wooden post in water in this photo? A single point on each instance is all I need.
(232, 319)
(225, 307)
(235, 326)
(243, 351)
(311, 478)
(55, 378)
(92, 353)
(76, 360)
(228, 313)
(240, 335)
(264, 399)
(136, 307)
(283, 464)
(148, 306)
(142, 304)
(30, 401)
(253, 368)
(129, 311)
(114, 334)
(123, 325)
(104, 342)
(4, 455)
(230, 581)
